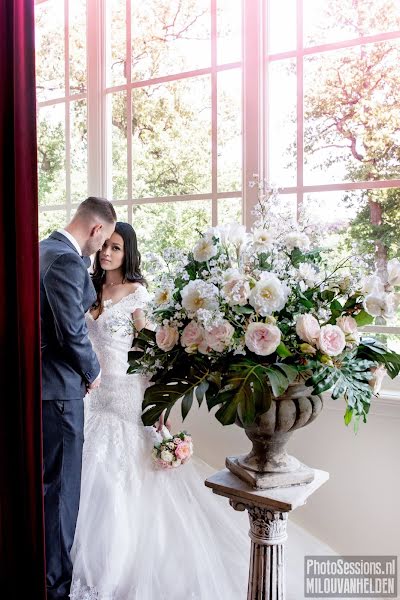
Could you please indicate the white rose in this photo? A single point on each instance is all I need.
(219, 338)
(331, 340)
(378, 375)
(307, 274)
(162, 296)
(382, 305)
(262, 339)
(167, 456)
(393, 269)
(166, 337)
(372, 285)
(204, 250)
(236, 289)
(347, 324)
(268, 295)
(308, 329)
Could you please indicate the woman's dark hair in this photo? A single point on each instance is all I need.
(131, 265)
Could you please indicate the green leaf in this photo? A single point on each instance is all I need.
(348, 415)
(363, 318)
(283, 351)
(186, 405)
(200, 391)
(278, 380)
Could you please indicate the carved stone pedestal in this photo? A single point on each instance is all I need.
(268, 513)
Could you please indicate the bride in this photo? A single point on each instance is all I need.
(142, 533)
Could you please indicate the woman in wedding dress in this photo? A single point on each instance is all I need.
(144, 533)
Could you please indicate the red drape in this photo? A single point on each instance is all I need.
(22, 563)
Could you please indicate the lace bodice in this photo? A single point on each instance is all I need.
(111, 335)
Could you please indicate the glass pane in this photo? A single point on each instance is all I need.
(171, 128)
(229, 31)
(326, 21)
(118, 169)
(175, 224)
(50, 221)
(352, 114)
(78, 116)
(51, 154)
(50, 53)
(116, 41)
(122, 213)
(77, 47)
(170, 37)
(230, 210)
(229, 135)
(281, 18)
(281, 129)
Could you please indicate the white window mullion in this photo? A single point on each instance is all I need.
(300, 106)
(253, 75)
(67, 112)
(128, 69)
(214, 114)
(96, 65)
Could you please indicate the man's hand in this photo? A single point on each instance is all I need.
(95, 384)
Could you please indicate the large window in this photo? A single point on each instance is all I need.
(169, 108)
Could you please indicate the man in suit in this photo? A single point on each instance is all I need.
(69, 369)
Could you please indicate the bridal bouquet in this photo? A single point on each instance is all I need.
(173, 450)
(242, 316)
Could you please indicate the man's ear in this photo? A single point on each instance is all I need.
(96, 229)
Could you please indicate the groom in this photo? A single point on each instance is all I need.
(69, 369)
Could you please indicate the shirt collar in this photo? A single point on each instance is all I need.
(71, 239)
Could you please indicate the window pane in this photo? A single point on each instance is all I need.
(169, 37)
(78, 116)
(281, 17)
(229, 35)
(50, 53)
(116, 41)
(166, 224)
(118, 161)
(230, 210)
(326, 21)
(172, 138)
(281, 129)
(229, 108)
(51, 154)
(50, 221)
(352, 114)
(122, 213)
(77, 47)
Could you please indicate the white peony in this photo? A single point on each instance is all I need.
(199, 294)
(372, 285)
(268, 295)
(296, 239)
(347, 324)
(308, 329)
(220, 337)
(331, 340)
(166, 337)
(382, 305)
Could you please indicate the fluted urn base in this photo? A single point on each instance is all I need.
(268, 465)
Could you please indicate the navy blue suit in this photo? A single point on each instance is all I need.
(68, 365)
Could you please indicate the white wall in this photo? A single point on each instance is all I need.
(357, 510)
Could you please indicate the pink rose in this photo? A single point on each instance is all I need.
(220, 337)
(347, 324)
(308, 329)
(166, 337)
(192, 336)
(183, 451)
(331, 340)
(262, 338)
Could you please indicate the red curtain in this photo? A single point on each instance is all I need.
(22, 563)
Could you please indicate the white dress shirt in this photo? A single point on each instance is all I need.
(71, 239)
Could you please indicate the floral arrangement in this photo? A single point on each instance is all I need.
(242, 316)
(173, 451)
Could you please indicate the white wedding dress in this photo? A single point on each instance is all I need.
(148, 534)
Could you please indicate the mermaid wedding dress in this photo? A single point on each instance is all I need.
(147, 534)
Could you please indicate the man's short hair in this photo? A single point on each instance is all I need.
(98, 207)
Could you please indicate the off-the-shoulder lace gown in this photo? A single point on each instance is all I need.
(147, 534)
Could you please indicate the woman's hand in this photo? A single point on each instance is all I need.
(160, 423)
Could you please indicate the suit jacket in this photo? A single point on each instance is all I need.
(66, 293)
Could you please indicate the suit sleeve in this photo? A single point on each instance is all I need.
(63, 283)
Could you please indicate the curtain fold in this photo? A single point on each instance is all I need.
(22, 563)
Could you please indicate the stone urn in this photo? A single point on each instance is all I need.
(268, 464)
